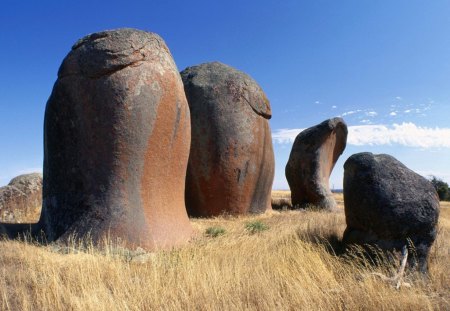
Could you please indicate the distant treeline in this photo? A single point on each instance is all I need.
(441, 187)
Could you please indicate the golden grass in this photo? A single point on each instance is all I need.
(445, 204)
(282, 268)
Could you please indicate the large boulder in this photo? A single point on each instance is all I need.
(312, 159)
(387, 204)
(117, 137)
(21, 199)
(231, 162)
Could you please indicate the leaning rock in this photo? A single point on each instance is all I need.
(231, 162)
(313, 156)
(386, 203)
(117, 137)
(21, 199)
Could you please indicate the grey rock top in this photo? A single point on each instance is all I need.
(388, 175)
(239, 83)
(315, 135)
(385, 167)
(386, 203)
(108, 51)
(27, 182)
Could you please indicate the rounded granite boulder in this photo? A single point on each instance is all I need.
(388, 205)
(117, 138)
(21, 199)
(231, 162)
(312, 159)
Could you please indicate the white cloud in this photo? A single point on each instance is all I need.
(407, 111)
(398, 98)
(405, 134)
(351, 112)
(317, 102)
(367, 112)
(393, 113)
(285, 136)
(333, 107)
(365, 121)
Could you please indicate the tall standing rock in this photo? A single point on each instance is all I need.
(312, 159)
(21, 199)
(231, 162)
(386, 204)
(117, 137)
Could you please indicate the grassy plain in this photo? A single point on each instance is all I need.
(289, 265)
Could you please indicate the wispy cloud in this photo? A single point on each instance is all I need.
(366, 112)
(365, 121)
(405, 134)
(351, 112)
(285, 136)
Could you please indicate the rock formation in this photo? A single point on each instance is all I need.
(386, 203)
(313, 156)
(117, 137)
(231, 162)
(21, 199)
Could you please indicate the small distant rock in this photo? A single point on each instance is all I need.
(143, 258)
(387, 204)
(312, 159)
(21, 199)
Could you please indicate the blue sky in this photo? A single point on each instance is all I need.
(384, 66)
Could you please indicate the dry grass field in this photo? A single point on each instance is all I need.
(276, 261)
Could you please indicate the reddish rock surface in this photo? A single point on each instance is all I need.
(231, 162)
(117, 138)
(312, 159)
(21, 199)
